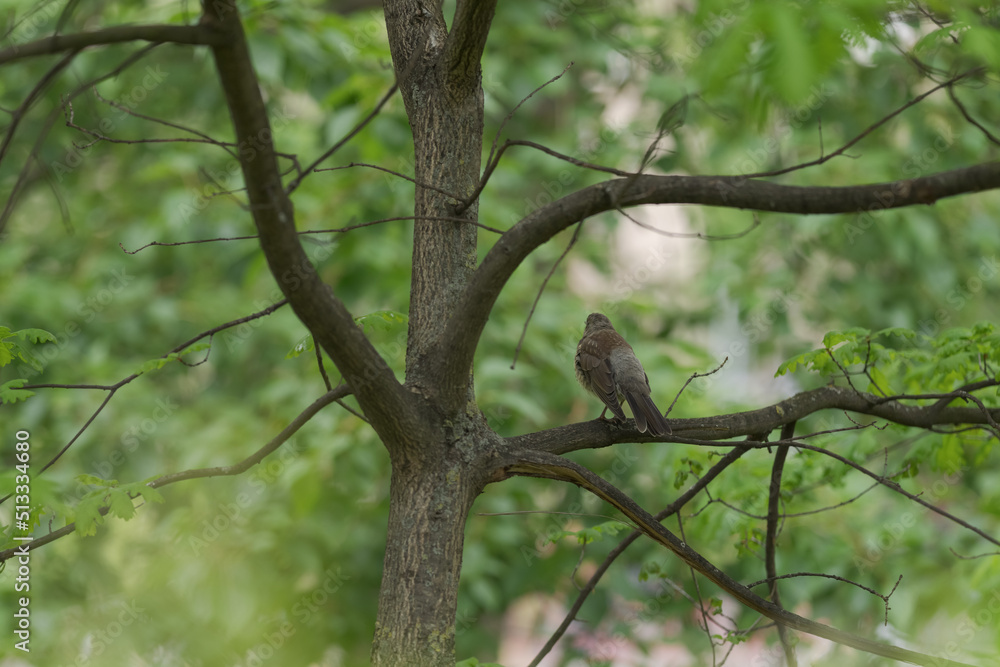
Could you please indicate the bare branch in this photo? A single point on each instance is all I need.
(771, 538)
(111, 389)
(968, 117)
(462, 335)
(202, 34)
(596, 434)
(686, 383)
(394, 173)
(219, 471)
(336, 230)
(541, 289)
(202, 137)
(672, 508)
(506, 119)
(539, 464)
(347, 137)
(884, 597)
(492, 165)
(23, 176)
(871, 128)
(18, 114)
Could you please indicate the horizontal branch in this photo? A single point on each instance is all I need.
(596, 434)
(539, 464)
(178, 34)
(462, 335)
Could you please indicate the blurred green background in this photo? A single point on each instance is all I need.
(282, 565)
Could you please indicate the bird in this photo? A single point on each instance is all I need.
(607, 367)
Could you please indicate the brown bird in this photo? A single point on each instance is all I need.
(607, 367)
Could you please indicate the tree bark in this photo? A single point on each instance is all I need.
(435, 479)
(440, 82)
(429, 501)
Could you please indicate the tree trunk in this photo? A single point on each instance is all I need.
(435, 482)
(429, 502)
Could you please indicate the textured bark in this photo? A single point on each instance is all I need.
(706, 430)
(439, 79)
(429, 501)
(435, 480)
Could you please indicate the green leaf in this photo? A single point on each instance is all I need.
(148, 493)
(305, 344)
(880, 383)
(950, 455)
(806, 360)
(92, 480)
(592, 534)
(835, 337)
(35, 336)
(143, 489)
(157, 364)
(381, 320)
(17, 347)
(793, 69)
(87, 514)
(120, 504)
(651, 568)
(901, 332)
(11, 392)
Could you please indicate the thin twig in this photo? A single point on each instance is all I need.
(694, 376)
(491, 167)
(692, 235)
(32, 158)
(503, 123)
(339, 230)
(220, 471)
(884, 598)
(112, 389)
(18, 114)
(871, 128)
(771, 538)
(347, 137)
(524, 330)
(394, 173)
(731, 457)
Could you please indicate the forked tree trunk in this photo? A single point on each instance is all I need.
(434, 482)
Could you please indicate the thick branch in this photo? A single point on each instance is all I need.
(596, 434)
(389, 406)
(538, 464)
(177, 34)
(464, 48)
(463, 334)
(445, 110)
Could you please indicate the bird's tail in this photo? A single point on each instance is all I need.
(647, 415)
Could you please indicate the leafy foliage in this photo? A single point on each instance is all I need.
(118, 499)
(717, 87)
(941, 364)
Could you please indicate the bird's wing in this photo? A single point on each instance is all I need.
(602, 382)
